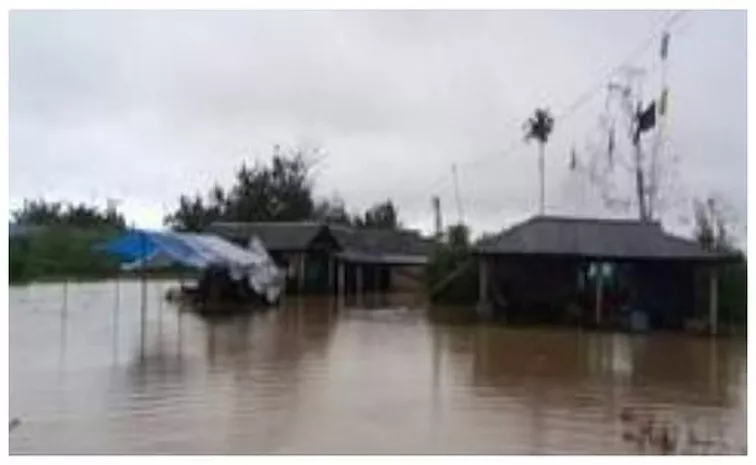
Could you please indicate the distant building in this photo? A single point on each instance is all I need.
(321, 258)
(597, 272)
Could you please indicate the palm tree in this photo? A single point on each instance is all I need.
(539, 127)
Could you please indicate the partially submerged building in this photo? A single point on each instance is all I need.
(597, 272)
(323, 259)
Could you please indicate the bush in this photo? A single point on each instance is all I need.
(60, 252)
(733, 293)
(451, 273)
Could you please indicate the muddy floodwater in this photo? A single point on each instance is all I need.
(377, 376)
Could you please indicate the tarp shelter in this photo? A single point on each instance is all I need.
(153, 249)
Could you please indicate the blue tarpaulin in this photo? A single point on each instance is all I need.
(154, 249)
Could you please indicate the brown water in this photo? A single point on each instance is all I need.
(320, 377)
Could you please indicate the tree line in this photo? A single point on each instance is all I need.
(60, 240)
(42, 213)
(282, 190)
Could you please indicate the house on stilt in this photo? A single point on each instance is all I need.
(327, 259)
(597, 272)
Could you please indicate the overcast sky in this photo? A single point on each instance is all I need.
(144, 106)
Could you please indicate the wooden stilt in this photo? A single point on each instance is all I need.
(484, 305)
(341, 282)
(360, 282)
(713, 302)
(143, 307)
(302, 271)
(599, 292)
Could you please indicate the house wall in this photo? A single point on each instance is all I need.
(560, 290)
(538, 291)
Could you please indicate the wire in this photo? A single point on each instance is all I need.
(516, 143)
(661, 27)
(585, 97)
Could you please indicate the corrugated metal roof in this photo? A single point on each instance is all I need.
(277, 236)
(380, 241)
(587, 237)
(365, 245)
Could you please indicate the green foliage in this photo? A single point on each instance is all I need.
(280, 191)
(451, 273)
(60, 240)
(332, 212)
(539, 126)
(710, 227)
(712, 233)
(382, 215)
(733, 292)
(43, 213)
(60, 252)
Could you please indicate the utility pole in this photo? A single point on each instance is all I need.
(460, 215)
(542, 173)
(436, 201)
(632, 106)
(658, 150)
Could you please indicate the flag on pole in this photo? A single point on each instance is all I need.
(645, 120)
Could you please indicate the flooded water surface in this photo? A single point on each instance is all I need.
(322, 376)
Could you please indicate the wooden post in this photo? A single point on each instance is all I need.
(143, 312)
(376, 283)
(341, 278)
(64, 313)
(713, 301)
(302, 271)
(116, 309)
(330, 274)
(599, 291)
(360, 282)
(483, 278)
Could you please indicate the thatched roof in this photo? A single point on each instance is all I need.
(593, 238)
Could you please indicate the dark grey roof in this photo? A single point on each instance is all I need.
(381, 245)
(289, 236)
(616, 239)
(363, 245)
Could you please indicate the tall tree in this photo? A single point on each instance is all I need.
(332, 211)
(711, 229)
(44, 213)
(279, 191)
(539, 127)
(381, 215)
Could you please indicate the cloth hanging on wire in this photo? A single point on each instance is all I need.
(645, 120)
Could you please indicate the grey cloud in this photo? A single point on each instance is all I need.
(147, 105)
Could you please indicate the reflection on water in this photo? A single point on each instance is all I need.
(332, 376)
